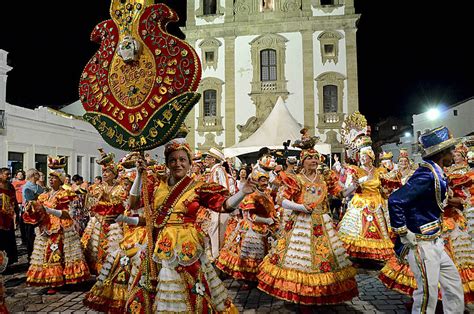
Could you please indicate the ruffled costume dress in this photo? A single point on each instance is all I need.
(248, 244)
(57, 257)
(102, 234)
(364, 229)
(309, 264)
(186, 281)
(109, 293)
(397, 275)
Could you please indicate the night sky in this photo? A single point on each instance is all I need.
(409, 58)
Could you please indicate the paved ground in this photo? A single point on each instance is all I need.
(373, 297)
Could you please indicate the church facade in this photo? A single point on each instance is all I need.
(253, 51)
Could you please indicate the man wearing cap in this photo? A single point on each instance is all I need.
(216, 174)
(415, 210)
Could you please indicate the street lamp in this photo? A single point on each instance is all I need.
(407, 134)
(433, 114)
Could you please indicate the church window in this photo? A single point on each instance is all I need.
(210, 7)
(209, 117)
(327, 2)
(329, 50)
(329, 43)
(267, 5)
(210, 103)
(330, 98)
(209, 56)
(268, 65)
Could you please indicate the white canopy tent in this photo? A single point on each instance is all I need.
(279, 127)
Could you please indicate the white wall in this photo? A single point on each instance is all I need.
(294, 75)
(459, 125)
(244, 107)
(41, 131)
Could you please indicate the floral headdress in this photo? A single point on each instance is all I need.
(106, 161)
(353, 127)
(57, 165)
(363, 143)
(462, 149)
(306, 144)
(386, 156)
(403, 154)
(178, 144)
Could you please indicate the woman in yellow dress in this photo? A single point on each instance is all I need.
(57, 257)
(309, 264)
(106, 201)
(365, 226)
(175, 274)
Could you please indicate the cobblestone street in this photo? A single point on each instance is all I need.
(373, 297)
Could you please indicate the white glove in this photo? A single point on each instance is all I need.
(409, 239)
(137, 185)
(234, 200)
(55, 212)
(264, 220)
(294, 206)
(128, 220)
(348, 191)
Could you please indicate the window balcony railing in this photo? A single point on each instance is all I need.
(209, 123)
(268, 86)
(330, 120)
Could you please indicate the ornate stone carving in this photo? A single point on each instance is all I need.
(209, 141)
(290, 5)
(243, 7)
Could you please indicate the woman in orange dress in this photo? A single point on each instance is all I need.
(308, 265)
(247, 244)
(106, 201)
(57, 258)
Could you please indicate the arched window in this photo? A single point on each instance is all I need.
(210, 103)
(210, 7)
(268, 65)
(330, 98)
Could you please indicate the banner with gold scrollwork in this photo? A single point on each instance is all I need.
(140, 85)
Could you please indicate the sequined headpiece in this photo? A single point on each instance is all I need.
(106, 161)
(307, 145)
(386, 156)
(353, 127)
(258, 173)
(403, 154)
(56, 166)
(178, 144)
(436, 140)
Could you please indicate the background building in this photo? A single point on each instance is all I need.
(28, 136)
(254, 51)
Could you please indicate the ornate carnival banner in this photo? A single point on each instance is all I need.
(140, 85)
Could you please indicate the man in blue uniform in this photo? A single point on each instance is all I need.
(415, 213)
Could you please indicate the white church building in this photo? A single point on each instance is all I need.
(254, 51)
